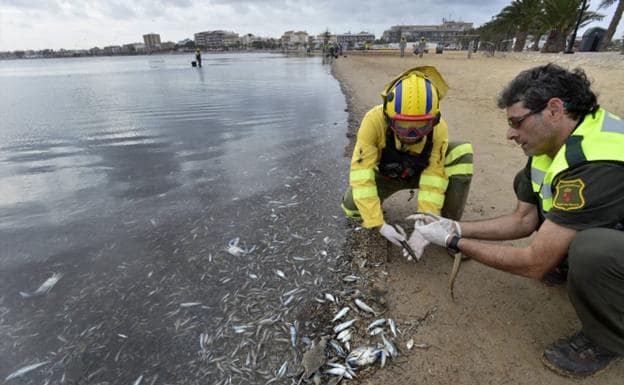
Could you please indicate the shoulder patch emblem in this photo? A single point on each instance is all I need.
(569, 195)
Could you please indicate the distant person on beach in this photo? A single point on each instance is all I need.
(198, 57)
(422, 46)
(470, 48)
(403, 144)
(402, 45)
(570, 197)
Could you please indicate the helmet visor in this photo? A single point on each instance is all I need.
(412, 128)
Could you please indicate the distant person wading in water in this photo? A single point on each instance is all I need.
(198, 57)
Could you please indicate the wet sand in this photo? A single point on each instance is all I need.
(499, 324)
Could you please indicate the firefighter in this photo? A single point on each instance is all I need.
(570, 193)
(403, 144)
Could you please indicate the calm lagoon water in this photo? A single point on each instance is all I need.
(131, 176)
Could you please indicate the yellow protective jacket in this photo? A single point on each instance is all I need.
(371, 140)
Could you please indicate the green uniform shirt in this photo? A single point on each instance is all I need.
(588, 196)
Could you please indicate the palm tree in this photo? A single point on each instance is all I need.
(615, 20)
(521, 15)
(560, 16)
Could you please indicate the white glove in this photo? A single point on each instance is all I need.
(435, 232)
(450, 225)
(418, 243)
(396, 236)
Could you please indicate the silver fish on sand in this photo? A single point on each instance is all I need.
(350, 278)
(20, 372)
(233, 249)
(45, 287)
(344, 336)
(363, 356)
(392, 325)
(364, 306)
(330, 297)
(341, 314)
(282, 370)
(389, 346)
(376, 323)
(345, 325)
(138, 380)
(339, 370)
(293, 335)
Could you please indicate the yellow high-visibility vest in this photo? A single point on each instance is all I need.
(599, 138)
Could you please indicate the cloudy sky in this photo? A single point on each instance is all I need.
(77, 24)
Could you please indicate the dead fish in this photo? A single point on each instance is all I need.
(351, 278)
(280, 273)
(337, 348)
(45, 287)
(456, 262)
(363, 356)
(344, 336)
(410, 344)
(375, 331)
(345, 325)
(282, 370)
(138, 380)
(364, 306)
(233, 249)
(376, 323)
(293, 335)
(389, 346)
(330, 297)
(20, 372)
(383, 356)
(392, 325)
(190, 304)
(342, 372)
(341, 313)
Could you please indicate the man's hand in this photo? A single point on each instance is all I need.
(394, 235)
(450, 225)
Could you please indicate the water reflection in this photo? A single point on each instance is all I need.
(130, 177)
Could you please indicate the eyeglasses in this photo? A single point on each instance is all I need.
(515, 121)
(412, 129)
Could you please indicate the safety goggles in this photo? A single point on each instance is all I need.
(412, 128)
(516, 121)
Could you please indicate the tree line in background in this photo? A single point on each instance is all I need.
(555, 19)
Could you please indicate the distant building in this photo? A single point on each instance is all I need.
(168, 45)
(133, 48)
(216, 39)
(152, 41)
(446, 31)
(112, 50)
(295, 40)
(354, 40)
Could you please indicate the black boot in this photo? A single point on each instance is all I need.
(577, 356)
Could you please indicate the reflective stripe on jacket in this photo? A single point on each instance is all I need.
(600, 137)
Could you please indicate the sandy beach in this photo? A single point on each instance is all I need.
(497, 327)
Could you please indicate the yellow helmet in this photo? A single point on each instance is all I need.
(412, 102)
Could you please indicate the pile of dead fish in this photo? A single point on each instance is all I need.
(334, 356)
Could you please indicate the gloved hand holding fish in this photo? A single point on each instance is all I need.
(394, 234)
(438, 230)
(435, 229)
(417, 243)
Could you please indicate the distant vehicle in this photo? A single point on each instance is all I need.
(439, 48)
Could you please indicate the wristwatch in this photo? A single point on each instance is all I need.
(453, 244)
